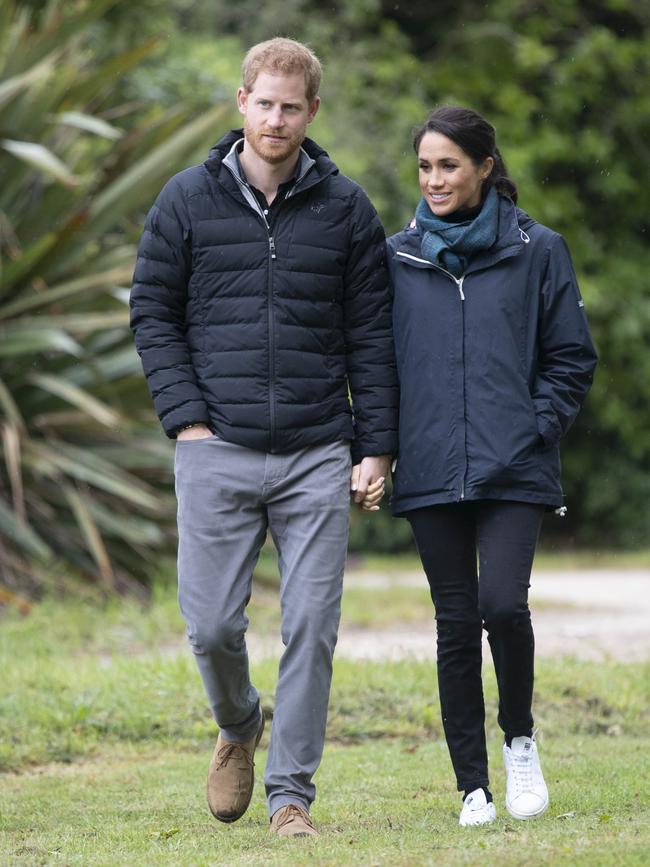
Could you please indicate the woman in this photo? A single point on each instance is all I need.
(494, 359)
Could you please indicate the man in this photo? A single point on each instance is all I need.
(259, 307)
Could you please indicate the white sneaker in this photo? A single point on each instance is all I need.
(476, 810)
(526, 792)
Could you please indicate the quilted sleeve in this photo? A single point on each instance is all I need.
(158, 302)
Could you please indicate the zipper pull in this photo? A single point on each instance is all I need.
(272, 247)
(460, 288)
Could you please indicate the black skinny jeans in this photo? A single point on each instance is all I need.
(467, 599)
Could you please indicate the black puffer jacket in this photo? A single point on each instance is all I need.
(493, 367)
(258, 332)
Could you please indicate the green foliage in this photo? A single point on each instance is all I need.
(379, 532)
(80, 490)
(370, 101)
(565, 86)
(189, 70)
(567, 94)
(101, 102)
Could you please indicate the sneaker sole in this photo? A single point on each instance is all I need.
(490, 821)
(477, 824)
(228, 820)
(524, 816)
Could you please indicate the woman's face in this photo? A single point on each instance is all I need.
(449, 179)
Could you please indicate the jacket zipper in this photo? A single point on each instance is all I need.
(271, 328)
(299, 180)
(459, 283)
(252, 202)
(270, 320)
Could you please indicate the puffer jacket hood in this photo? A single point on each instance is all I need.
(493, 367)
(262, 330)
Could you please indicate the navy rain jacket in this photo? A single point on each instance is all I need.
(258, 331)
(493, 367)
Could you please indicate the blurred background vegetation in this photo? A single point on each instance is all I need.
(100, 102)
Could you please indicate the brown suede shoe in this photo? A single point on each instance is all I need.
(231, 777)
(292, 821)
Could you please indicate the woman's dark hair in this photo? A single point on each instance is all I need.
(473, 135)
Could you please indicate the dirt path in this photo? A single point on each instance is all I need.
(589, 614)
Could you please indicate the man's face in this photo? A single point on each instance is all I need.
(276, 114)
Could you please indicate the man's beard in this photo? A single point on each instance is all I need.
(272, 154)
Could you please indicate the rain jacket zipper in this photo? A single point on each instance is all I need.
(459, 281)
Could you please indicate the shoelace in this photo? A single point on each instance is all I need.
(232, 751)
(522, 767)
(292, 812)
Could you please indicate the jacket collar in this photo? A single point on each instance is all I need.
(511, 240)
(232, 163)
(315, 164)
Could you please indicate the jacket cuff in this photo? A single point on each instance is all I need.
(549, 429)
(192, 412)
(359, 452)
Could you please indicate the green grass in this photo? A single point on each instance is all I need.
(545, 559)
(105, 739)
(384, 802)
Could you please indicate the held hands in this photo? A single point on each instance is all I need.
(195, 432)
(367, 482)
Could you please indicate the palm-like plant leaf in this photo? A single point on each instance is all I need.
(89, 123)
(84, 472)
(41, 158)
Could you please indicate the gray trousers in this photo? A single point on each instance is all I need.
(228, 496)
